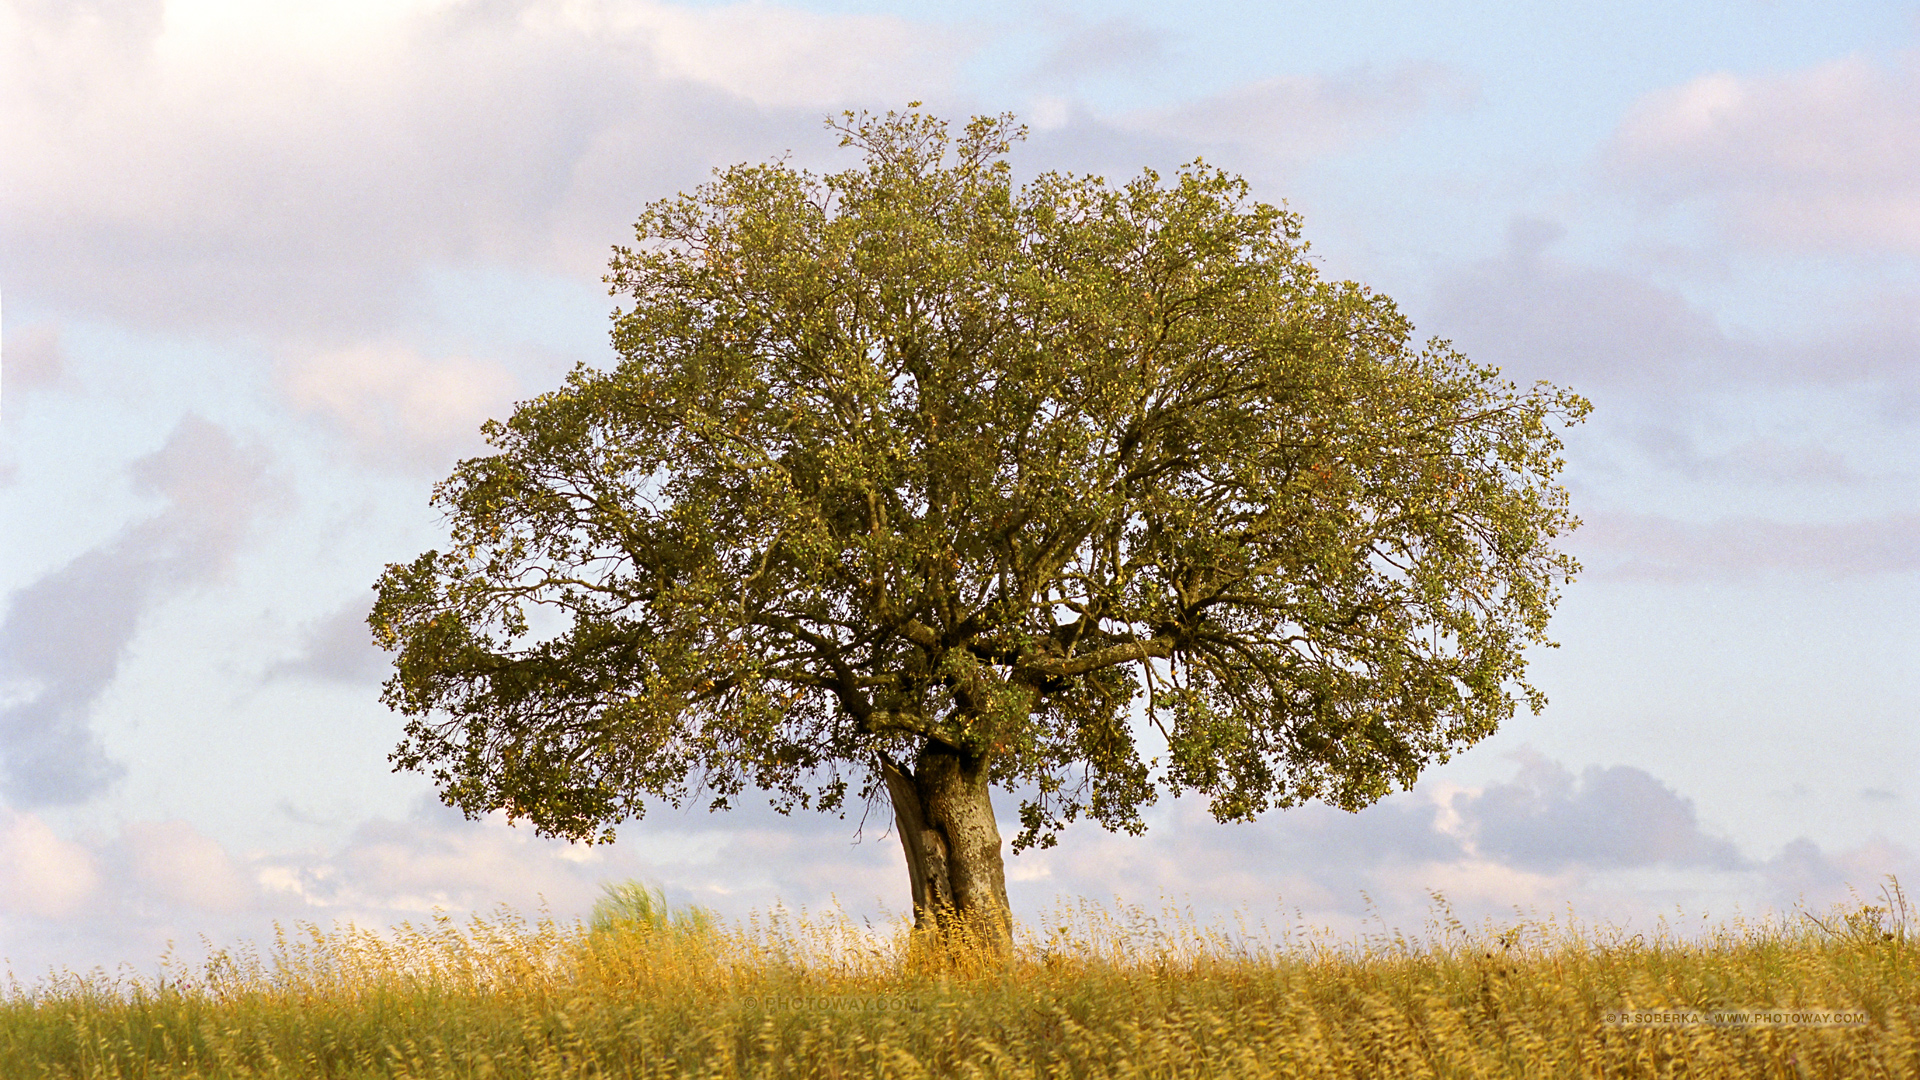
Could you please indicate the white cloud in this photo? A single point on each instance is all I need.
(179, 866)
(41, 874)
(122, 899)
(64, 636)
(293, 165)
(339, 647)
(1543, 839)
(1113, 46)
(31, 359)
(1536, 316)
(1293, 118)
(1547, 819)
(1614, 843)
(1649, 547)
(1826, 158)
(1754, 461)
(1268, 127)
(771, 55)
(394, 404)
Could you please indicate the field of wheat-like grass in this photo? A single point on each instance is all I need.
(1089, 993)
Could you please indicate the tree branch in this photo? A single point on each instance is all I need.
(1160, 646)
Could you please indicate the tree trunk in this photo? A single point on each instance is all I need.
(945, 818)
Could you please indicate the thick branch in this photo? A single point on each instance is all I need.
(880, 721)
(1123, 653)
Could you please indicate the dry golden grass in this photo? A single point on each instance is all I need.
(1088, 994)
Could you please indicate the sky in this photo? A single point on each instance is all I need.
(265, 267)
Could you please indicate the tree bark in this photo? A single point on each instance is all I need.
(945, 817)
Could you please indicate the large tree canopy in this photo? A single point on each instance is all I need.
(910, 481)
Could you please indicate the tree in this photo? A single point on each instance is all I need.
(910, 481)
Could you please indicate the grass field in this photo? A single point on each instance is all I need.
(1089, 994)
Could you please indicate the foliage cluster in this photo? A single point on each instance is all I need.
(912, 459)
(1091, 993)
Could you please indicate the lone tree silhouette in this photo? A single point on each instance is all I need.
(910, 482)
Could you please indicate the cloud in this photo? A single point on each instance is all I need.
(1649, 547)
(175, 865)
(293, 166)
(1754, 461)
(42, 875)
(1548, 820)
(1825, 158)
(399, 407)
(31, 359)
(295, 169)
(1537, 317)
(1315, 857)
(1274, 124)
(338, 647)
(1802, 873)
(1877, 338)
(1111, 45)
(1294, 118)
(64, 635)
(214, 485)
(776, 56)
(1613, 842)
(124, 898)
